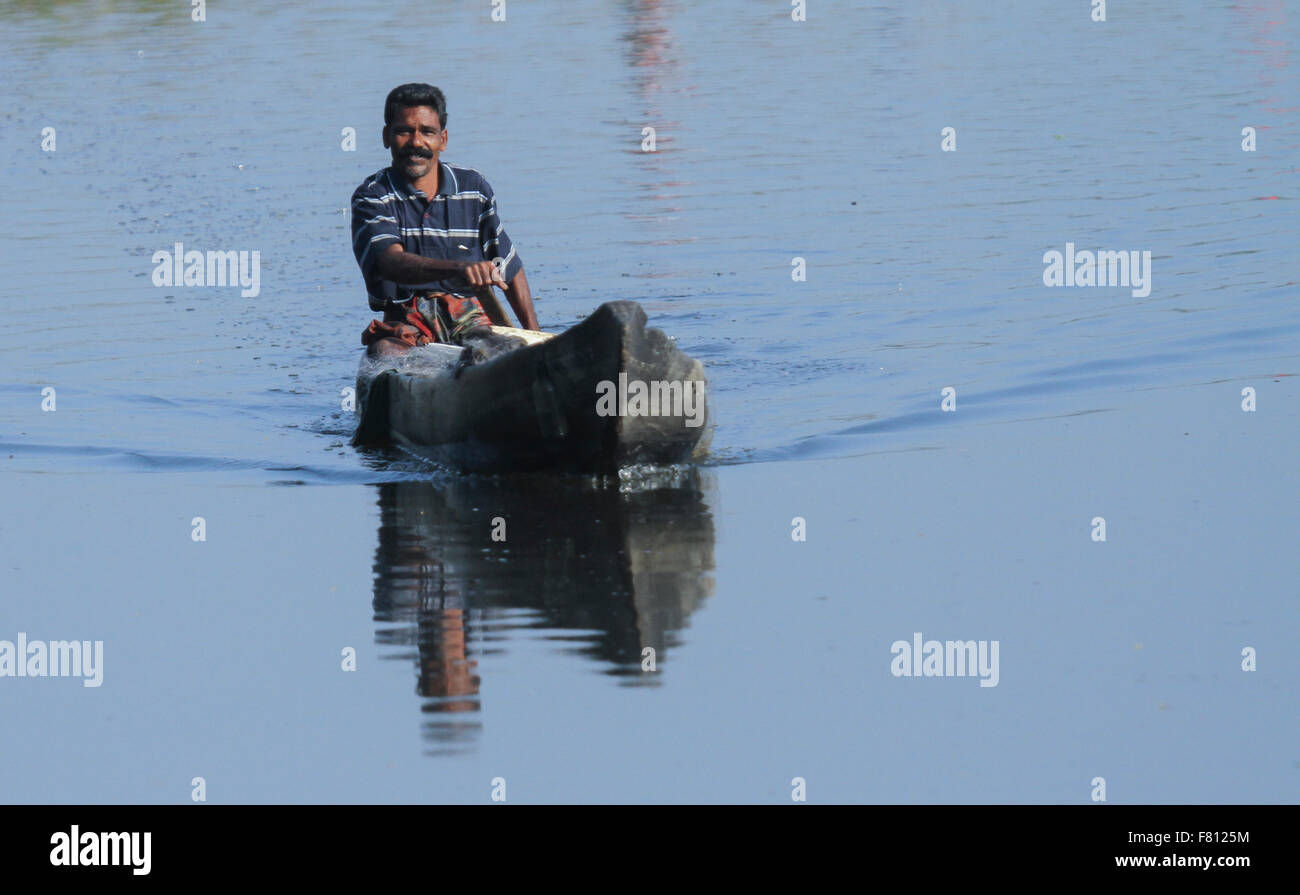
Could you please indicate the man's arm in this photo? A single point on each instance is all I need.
(400, 266)
(374, 228)
(521, 299)
(497, 246)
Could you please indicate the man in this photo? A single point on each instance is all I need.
(428, 239)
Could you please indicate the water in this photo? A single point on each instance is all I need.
(523, 658)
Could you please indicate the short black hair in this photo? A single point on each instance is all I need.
(409, 95)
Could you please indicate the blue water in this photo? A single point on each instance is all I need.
(776, 140)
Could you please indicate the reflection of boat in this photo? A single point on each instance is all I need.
(617, 573)
(539, 406)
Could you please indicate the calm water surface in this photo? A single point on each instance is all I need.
(524, 658)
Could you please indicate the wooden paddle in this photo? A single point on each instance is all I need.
(491, 303)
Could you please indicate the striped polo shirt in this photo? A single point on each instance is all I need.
(459, 223)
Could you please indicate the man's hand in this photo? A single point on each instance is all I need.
(483, 274)
(400, 266)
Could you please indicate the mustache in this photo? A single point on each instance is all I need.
(417, 153)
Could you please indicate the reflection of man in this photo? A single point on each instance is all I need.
(445, 669)
(628, 583)
(427, 236)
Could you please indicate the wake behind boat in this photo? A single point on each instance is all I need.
(606, 393)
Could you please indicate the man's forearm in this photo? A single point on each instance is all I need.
(521, 299)
(409, 268)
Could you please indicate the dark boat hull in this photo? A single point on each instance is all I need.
(537, 408)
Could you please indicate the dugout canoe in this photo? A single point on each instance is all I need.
(544, 406)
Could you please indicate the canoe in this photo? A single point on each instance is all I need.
(605, 394)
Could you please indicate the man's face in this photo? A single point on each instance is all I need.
(416, 139)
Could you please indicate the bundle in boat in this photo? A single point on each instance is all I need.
(559, 402)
